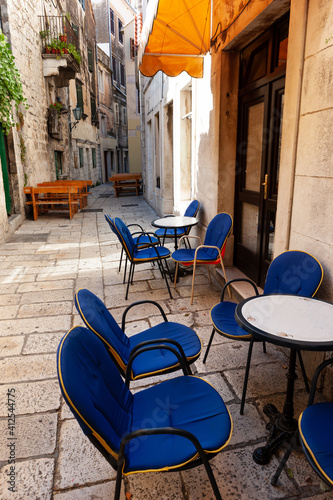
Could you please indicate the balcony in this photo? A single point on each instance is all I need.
(60, 49)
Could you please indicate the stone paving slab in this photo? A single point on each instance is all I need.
(54, 458)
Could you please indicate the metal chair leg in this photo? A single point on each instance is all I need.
(246, 378)
(193, 278)
(285, 457)
(124, 280)
(121, 258)
(306, 383)
(176, 272)
(129, 278)
(163, 273)
(208, 271)
(209, 344)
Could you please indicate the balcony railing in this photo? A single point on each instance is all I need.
(58, 36)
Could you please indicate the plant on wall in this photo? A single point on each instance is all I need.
(10, 85)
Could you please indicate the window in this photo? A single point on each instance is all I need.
(75, 29)
(58, 163)
(79, 96)
(132, 48)
(93, 156)
(103, 125)
(93, 109)
(82, 2)
(116, 112)
(120, 32)
(101, 81)
(81, 157)
(90, 60)
(124, 116)
(122, 75)
(114, 68)
(112, 21)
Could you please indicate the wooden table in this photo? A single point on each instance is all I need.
(46, 198)
(80, 185)
(295, 322)
(126, 183)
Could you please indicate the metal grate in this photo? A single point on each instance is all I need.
(28, 238)
(92, 210)
(104, 196)
(131, 205)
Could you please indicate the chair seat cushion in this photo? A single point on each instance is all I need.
(223, 319)
(161, 360)
(187, 255)
(315, 425)
(188, 403)
(170, 233)
(144, 240)
(150, 253)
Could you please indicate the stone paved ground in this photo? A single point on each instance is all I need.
(53, 457)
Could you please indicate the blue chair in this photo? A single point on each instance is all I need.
(143, 239)
(177, 424)
(315, 431)
(121, 348)
(191, 211)
(211, 252)
(293, 272)
(138, 255)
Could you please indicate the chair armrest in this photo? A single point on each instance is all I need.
(145, 233)
(233, 281)
(148, 346)
(123, 320)
(206, 246)
(138, 225)
(161, 430)
(316, 374)
(193, 237)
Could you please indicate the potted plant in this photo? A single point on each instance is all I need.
(54, 46)
(63, 36)
(74, 52)
(56, 105)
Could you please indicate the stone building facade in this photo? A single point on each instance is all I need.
(44, 146)
(252, 137)
(107, 130)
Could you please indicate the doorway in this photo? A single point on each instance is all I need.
(5, 176)
(261, 99)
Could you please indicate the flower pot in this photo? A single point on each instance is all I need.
(48, 50)
(66, 51)
(54, 51)
(63, 38)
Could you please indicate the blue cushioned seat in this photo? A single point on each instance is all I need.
(152, 362)
(210, 252)
(293, 272)
(137, 253)
(315, 433)
(182, 421)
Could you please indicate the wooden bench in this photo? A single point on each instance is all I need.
(46, 198)
(80, 185)
(126, 183)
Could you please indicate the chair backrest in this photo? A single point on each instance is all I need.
(217, 232)
(93, 388)
(124, 236)
(294, 272)
(110, 221)
(192, 209)
(100, 321)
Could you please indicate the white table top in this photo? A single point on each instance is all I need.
(289, 317)
(175, 222)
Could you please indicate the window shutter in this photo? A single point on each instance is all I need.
(90, 60)
(79, 96)
(116, 112)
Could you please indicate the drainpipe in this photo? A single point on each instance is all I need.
(110, 45)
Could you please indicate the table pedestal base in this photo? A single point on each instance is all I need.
(281, 429)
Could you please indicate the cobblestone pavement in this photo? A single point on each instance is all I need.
(41, 267)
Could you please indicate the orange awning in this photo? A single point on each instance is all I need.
(175, 37)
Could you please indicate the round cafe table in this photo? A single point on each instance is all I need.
(175, 223)
(295, 322)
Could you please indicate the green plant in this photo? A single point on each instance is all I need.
(25, 179)
(329, 39)
(23, 149)
(10, 85)
(56, 105)
(97, 183)
(75, 53)
(44, 34)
